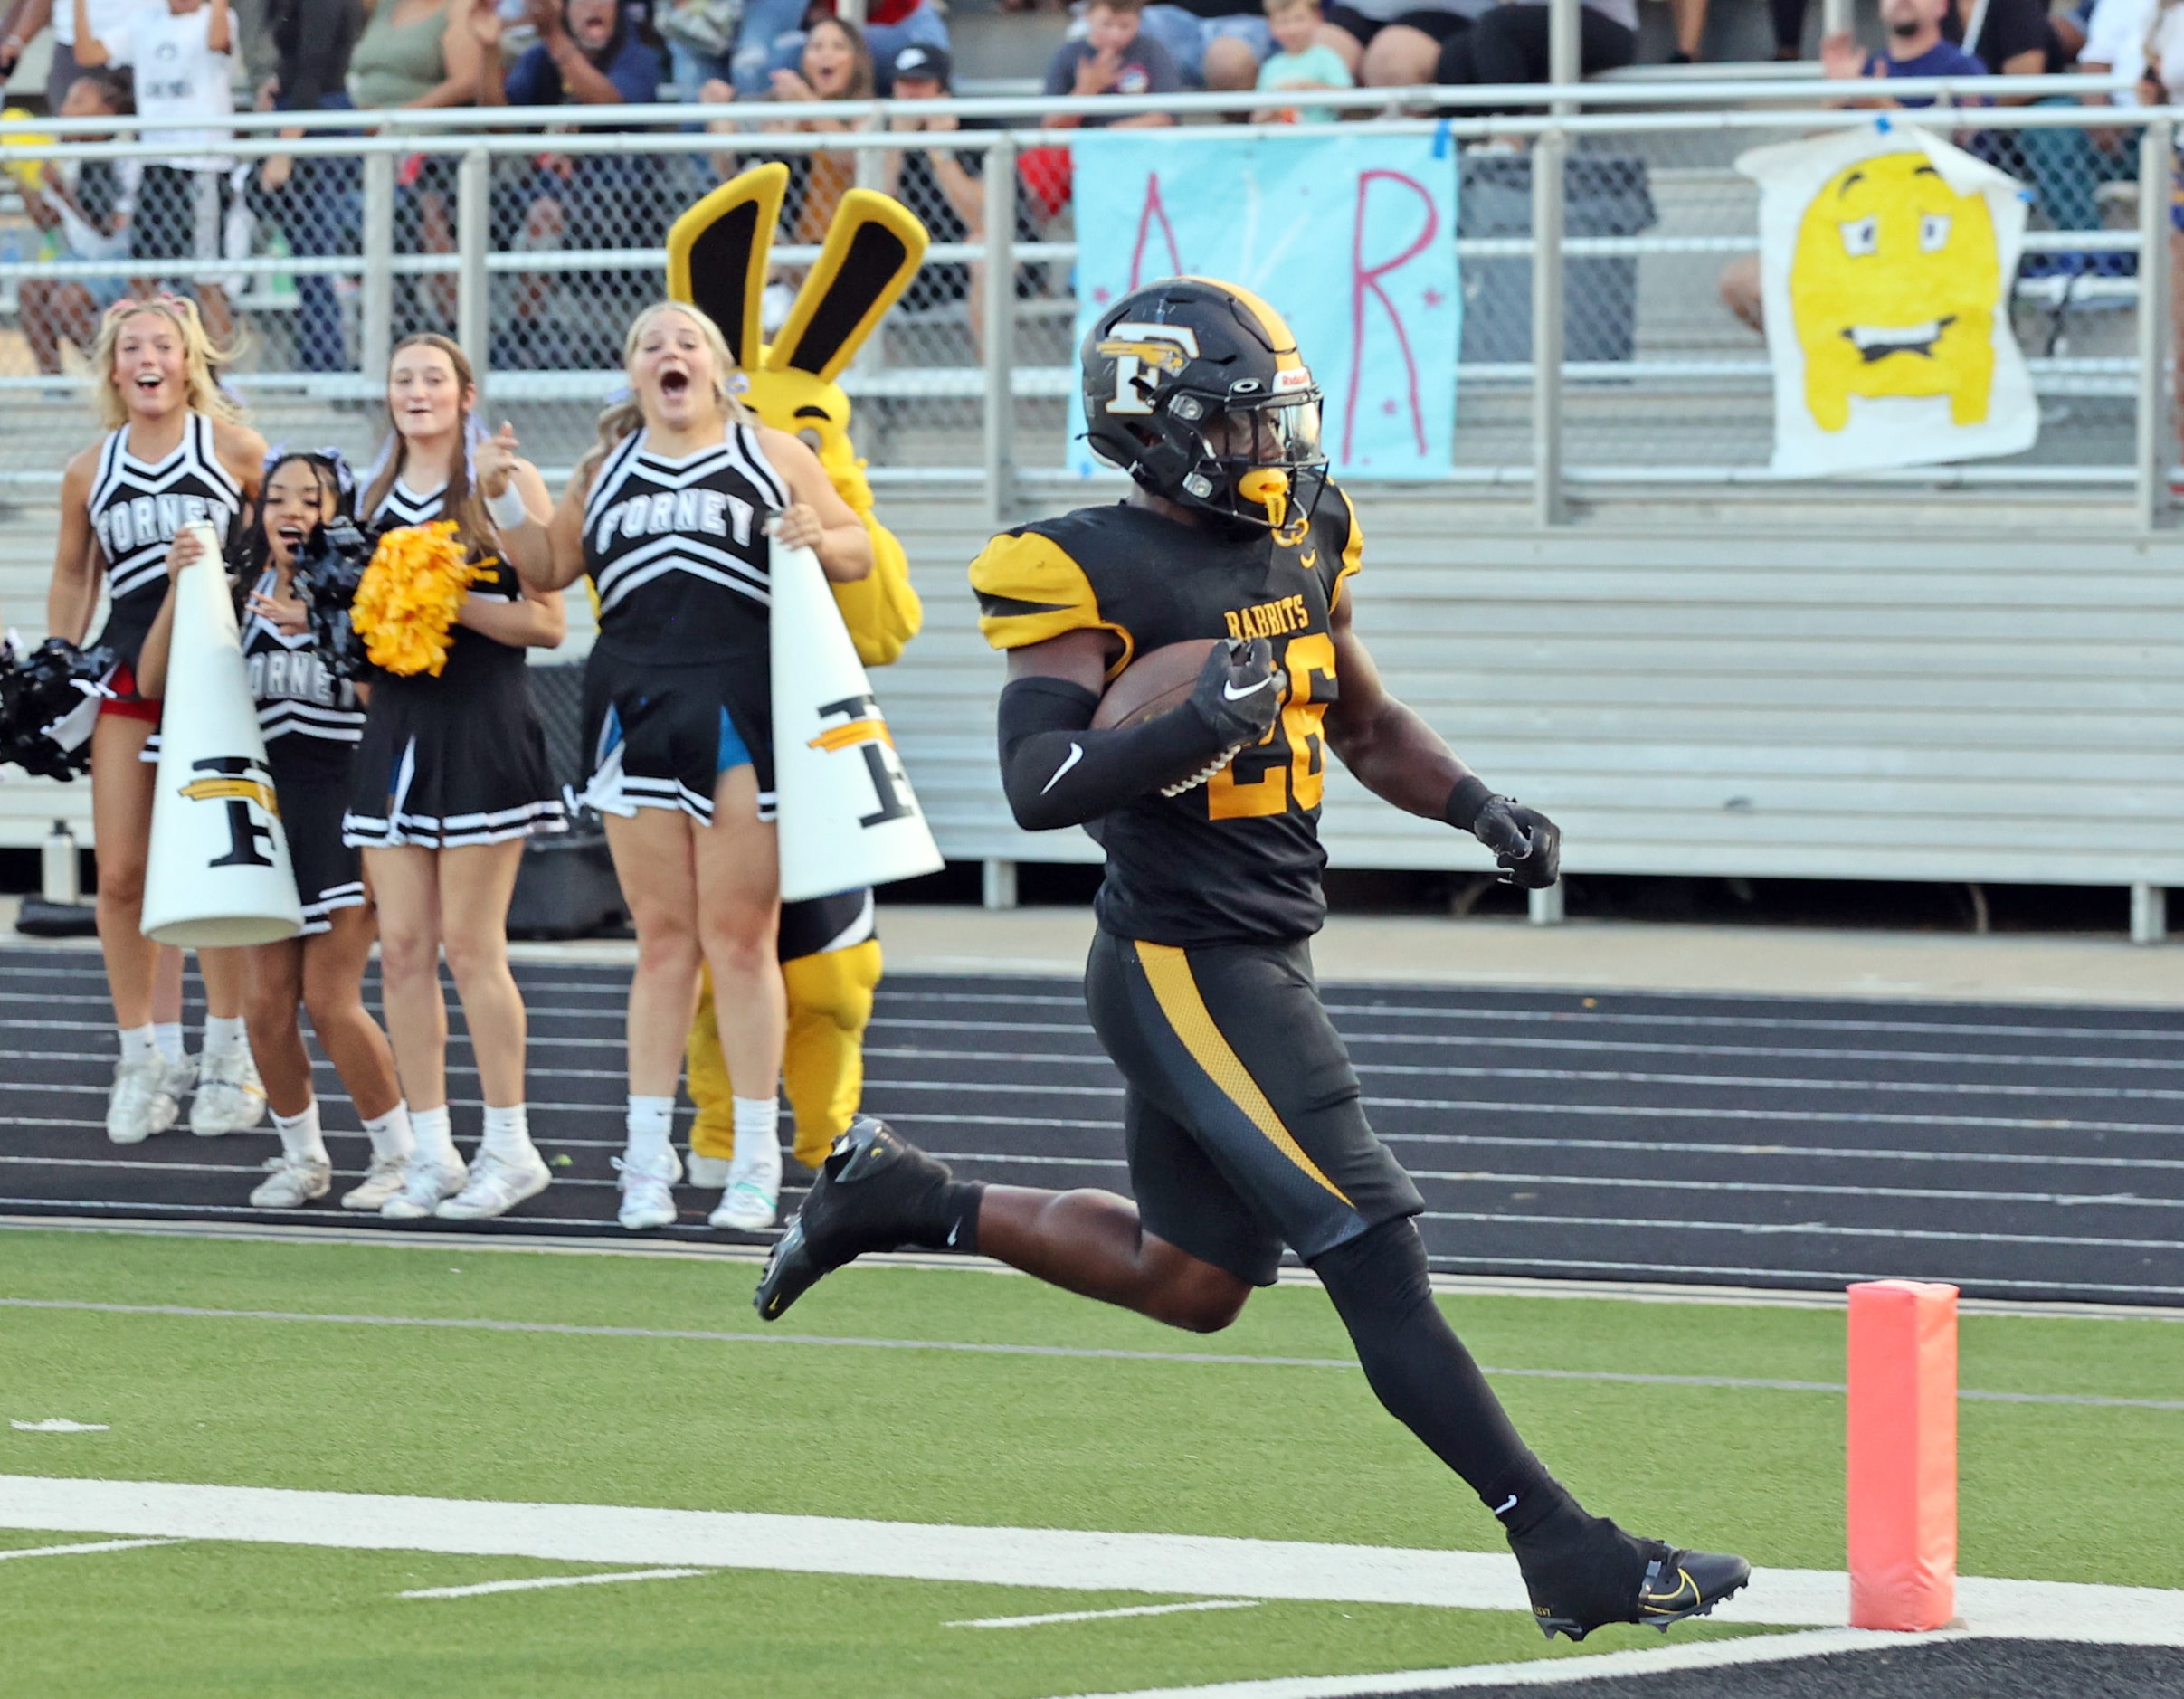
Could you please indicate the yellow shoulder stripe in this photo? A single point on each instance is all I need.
(1029, 589)
(1354, 549)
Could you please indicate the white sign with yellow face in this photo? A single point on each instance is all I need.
(1886, 260)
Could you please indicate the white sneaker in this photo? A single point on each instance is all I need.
(496, 1187)
(712, 1172)
(382, 1181)
(753, 1199)
(646, 1201)
(144, 1100)
(424, 1187)
(290, 1184)
(229, 1098)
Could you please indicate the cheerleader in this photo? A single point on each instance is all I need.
(311, 722)
(450, 779)
(669, 517)
(174, 450)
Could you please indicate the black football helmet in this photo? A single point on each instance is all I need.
(1195, 388)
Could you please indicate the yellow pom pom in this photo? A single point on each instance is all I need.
(410, 595)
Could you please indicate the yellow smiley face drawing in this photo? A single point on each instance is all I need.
(1892, 290)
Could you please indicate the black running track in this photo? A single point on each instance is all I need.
(2021, 1152)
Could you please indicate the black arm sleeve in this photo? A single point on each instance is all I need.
(1058, 772)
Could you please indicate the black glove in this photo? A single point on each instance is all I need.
(1528, 846)
(1238, 694)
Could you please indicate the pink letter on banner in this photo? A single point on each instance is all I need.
(1366, 279)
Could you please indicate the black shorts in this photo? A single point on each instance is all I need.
(1241, 1116)
(1440, 26)
(314, 796)
(180, 214)
(659, 736)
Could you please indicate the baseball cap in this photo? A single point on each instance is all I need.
(922, 64)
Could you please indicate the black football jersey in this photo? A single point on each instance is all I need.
(303, 710)
(1237, 858)
(136, 509)
(678, 549)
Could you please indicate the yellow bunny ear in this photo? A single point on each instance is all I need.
(872, 252)
(716, 254)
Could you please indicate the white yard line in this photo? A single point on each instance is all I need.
(534, 1582)
(1545, 1672)
(75, 1551)
(1746, 1383)
(1185, 1565)
(1103, 1616)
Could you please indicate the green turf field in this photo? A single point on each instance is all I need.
(1271, 1451)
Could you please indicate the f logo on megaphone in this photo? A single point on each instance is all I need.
(239, 782)
(864, 729)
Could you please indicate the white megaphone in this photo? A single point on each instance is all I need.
(218, 870)
(847, 815)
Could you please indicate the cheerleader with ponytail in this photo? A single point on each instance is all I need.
(311, 722)
(451, 778)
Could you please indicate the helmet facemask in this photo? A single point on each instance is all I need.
(1256, 463)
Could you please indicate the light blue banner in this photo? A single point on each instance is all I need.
(1350, 238)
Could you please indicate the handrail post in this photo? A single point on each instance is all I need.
(473, 240)
(2155, 445)
(375, 300)
(1548, 155)
(999, 302)
(1565, 58)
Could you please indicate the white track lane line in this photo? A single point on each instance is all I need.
(1549, 1672)
(76, 1550)
(532, 1583)
(1176, 1565)
(1102, 1616)
(1746, 1383)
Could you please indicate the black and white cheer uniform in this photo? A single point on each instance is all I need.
(679, 688)
(136, 508)
(457, 760)
(311, 722)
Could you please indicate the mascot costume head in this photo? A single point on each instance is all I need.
(719, 255)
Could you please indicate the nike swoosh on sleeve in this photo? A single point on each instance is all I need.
(1076, 755)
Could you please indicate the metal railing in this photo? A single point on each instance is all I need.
(1595, 353)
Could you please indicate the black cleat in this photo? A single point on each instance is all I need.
(874, 1192)
(1619, 1578)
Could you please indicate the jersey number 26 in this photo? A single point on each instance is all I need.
(1260, 780)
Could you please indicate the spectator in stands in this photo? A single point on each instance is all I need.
(29, 17)
(1305, 62)
(316, 200)
(1917, 48)
(82, 207)
(1509, 43)
(1115, 56)
(182, 50)
(836, 65)
(1215, 44)
(1788, 16)
(2115, 40)
(1398, 44)
(589, 52)
(2012, 38)
(422, 55)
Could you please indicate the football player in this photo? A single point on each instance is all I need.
(1242, 1116)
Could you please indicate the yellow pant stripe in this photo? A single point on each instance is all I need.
(1168, 971)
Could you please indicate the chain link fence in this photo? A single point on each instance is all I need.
(535, 250)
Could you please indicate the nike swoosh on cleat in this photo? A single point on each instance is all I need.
(1076, 755)
(1234, 694)
(954, 1228)
(1684, 1597)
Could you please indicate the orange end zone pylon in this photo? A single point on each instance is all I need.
(1903, 1474)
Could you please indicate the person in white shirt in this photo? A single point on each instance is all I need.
(182, 52)
(30, 16)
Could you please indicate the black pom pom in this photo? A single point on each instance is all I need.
(326, 574)
(47, 708)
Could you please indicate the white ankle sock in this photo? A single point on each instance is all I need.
(167, 1036)
(650, 1121)
(757, 1125)
(138, 1043)
(300, 1141)
(435, 1137)
(222, 1035)
(390, 1134)
(507, 1134)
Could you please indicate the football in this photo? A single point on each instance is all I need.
(1158, 680)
